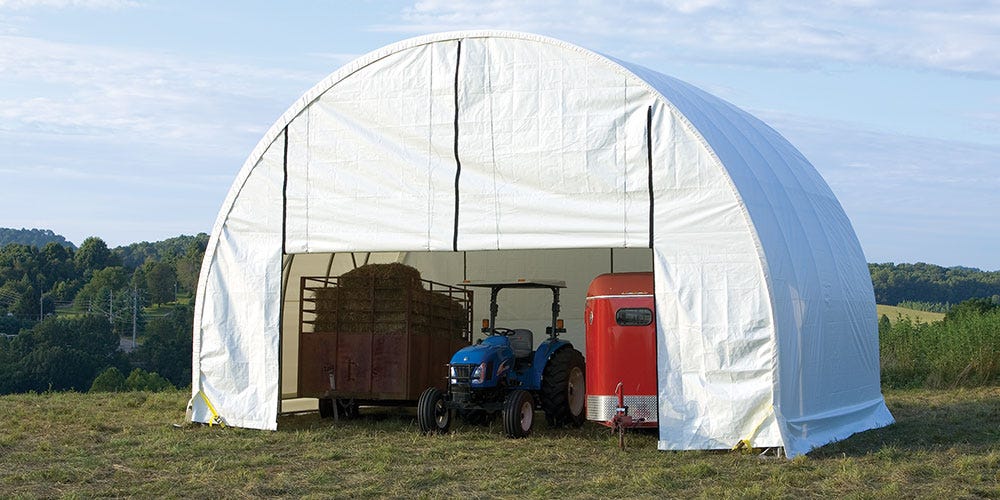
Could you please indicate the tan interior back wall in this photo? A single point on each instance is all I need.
(518, 309)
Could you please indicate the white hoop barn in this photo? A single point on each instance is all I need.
(487, 153)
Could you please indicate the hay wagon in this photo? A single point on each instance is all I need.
(378, 335)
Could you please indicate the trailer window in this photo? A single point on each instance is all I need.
(634, 316)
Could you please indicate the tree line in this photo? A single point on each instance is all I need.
(930, 287)
(33, 237)
(65, 312)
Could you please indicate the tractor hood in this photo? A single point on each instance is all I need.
(494, 348)
(485, 362)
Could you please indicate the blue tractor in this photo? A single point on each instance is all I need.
(503, 374)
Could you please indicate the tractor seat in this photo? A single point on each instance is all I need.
(521, 341)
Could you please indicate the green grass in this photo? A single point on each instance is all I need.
(168, 307)
(894, 313)
(946, 444)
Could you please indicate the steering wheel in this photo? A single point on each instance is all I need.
(506, 332)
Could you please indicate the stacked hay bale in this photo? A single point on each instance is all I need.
(439, 313)
(387, 298)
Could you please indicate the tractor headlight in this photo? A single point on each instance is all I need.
(479, 373)
(452, 375)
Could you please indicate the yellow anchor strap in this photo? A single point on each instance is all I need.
(216, 419)
(746, 443)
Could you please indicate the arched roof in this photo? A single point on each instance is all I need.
(499, 140)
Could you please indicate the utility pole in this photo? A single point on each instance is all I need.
(111, 309)
(135, 312)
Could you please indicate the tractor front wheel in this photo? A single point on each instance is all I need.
(564, 393)
(518, 414)
(432, 414)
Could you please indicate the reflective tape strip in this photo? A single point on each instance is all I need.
(620, 296)
(602, 408)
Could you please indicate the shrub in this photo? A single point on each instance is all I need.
(938, 307)
(141, 380)
(961, 350)
(110, 380)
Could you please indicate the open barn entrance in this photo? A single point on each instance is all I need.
(526, 309)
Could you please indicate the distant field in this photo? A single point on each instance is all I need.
(893, 313)
(945, 444)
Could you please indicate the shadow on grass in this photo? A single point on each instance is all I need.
(404, 419)
(927, 421)
(395, 417)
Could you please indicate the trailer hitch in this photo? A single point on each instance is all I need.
(622, 420)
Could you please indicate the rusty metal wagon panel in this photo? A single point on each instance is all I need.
(379, 337)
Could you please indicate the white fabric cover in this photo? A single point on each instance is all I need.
(765, 311)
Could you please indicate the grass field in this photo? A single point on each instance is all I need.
(894, 313)
(946, 444)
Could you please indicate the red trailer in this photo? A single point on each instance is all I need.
(621, 348)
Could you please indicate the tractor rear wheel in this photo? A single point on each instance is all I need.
(518, 414)
(564, 393)
(432, 414)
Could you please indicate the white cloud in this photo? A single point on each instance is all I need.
(108, 93)
(953, 37)
(128, 178)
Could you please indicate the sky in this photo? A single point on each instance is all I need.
(129, 119)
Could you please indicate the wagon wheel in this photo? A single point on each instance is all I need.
(347, 408)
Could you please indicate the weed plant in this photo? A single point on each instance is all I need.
(963, 350)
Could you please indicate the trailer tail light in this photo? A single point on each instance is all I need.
(634, 316)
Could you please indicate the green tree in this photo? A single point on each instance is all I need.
(20, 299)
(108, 293)
(167, 348)
(979, 306)
(9, 364)
(21, 277)
(110, 380)
(94, 255)
(57, 264)
(33, 237)
(141, 380)
(168, 250)
(920, 282)
(189, 265)
(161, 278)
(57, 368)
(64, 354)
(884, 325)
